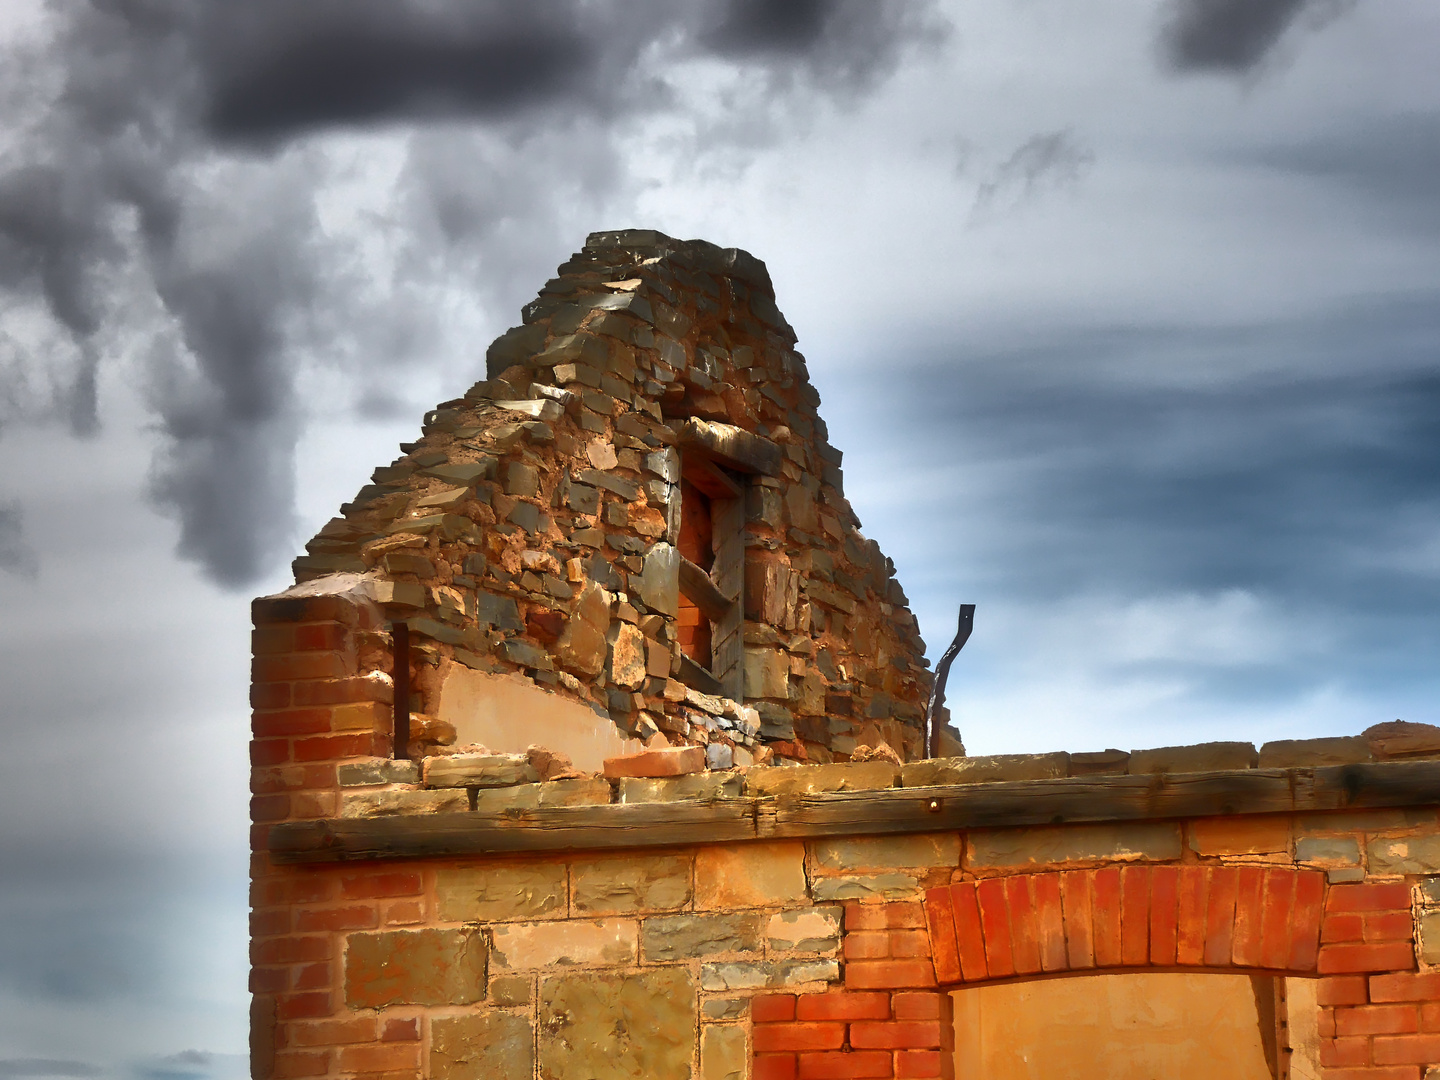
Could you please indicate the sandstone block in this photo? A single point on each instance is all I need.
(627, 656)
(814, 779)
(611, 884)
(1204, 757)
(479, 770)
(873, 852)
(667, 761)
(723, 1053)
(1240, 835)
(1402, 738)
(1123, 842)
(495, 1045)
(591, 791)
(658, 583)
(1342, 850)
(697, 787)
(724, 1008)
(378, 771)
(683, 937)
(414, 967)
(568, 942)
(867, 887)
(603, 1026)
(1429, 928)
(981, 770)
(369, 804)
(767, 674)
(810, 930)
(500, 891)
(1303, 753)
(758, 975)
(583, 645)
(750, 875)
(1405, 855)
(507, 991)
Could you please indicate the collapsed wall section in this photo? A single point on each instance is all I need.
(638, 513)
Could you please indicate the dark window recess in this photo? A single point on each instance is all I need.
(712, 576)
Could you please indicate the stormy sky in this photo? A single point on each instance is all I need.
(1126, 316)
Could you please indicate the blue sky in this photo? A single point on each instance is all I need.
(1125, 315)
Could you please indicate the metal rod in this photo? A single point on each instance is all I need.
(400, 679)
(942, 673)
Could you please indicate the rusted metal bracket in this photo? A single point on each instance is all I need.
(942, 673)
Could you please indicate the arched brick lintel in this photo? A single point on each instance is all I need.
(1212, 917)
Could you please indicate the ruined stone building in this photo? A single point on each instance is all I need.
(590, 744)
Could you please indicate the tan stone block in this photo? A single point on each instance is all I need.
(414, 967)
(814, 779)
(495, 1045)
(479, 770)
(683, 937)
(750, 875)
(1203, 757)
(1341, 850)
(1307, 753)
(578, 792)
(767, 674)
(497, 892)
(368, 804)
(883, 852)
(627, 657)
(890, 886)
(606, 1026)
(497, 800)
(568, 942)
(723, 1053)
(582, 646)
(697, 787)
(511, 990)
(724, 1008)
(361, 716)
(612, 884)
(810, 930)
(742, 975)
(1239, 835)
(984, 770)
(1404, 855)
(1429, 926)
(1122, 842)
(667, 761)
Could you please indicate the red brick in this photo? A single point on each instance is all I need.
(769, 1008)
(995, 922)
(841, 1005)
(1305, 914)
(331, 1032)
(917, 1006)
(1105, 894)
(1389, 926)
(1164, 903)
(269, 808)
(1190, 915)
(1075, 906)
(1344, 958)
(1049, 922)
(352, 917)
(969, 936)
(1378, 896)
(267, 610)
(303, 1006)
(278, 722)
(269, 980)
(856, 1065)
(401, 1030)
(1342, 990)
(919, 1064)
(1343, 926)
(1393, 1072)
(270, 922)
(798, 1035)
(1325, 1023)
(1024, 940)
(380, 883)
(909, 944)
(289, 950)
(308, 805)
(270, 695)
(341, 692)
(1249, 893)
(405, 913)
(269, 640)
(1406, 1049)
(895, 1034)
(379, 1057)
(1354, 1050)
(940, 918)
(773, 1067)
(1377, 1020)
(289, 1064)
(905, 915)
(269, 751)
(889, 974)
(313, 636)
(1220, 915)
(292, 667)
(313, 977)
(1135, 915)
(867, 917)
(1405, 986)
(331, 747)
(867, 945)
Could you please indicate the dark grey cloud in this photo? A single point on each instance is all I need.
(1234, 36)
(1044, 162)
(16, 554)
(162, 196)
(22, 1067)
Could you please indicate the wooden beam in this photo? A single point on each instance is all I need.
(733, 447)
(698, 678)
(695, 583)
(709, 477)
(866, 813)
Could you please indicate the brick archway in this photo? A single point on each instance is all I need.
(1212, 917)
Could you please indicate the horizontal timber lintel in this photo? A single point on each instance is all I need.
(1071, 800)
